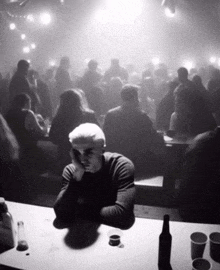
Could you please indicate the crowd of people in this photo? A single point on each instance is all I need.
(130, 108)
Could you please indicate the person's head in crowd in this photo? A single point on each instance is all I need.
(197, 80)
(71, 101)
(192, 72)
(92, 65)
(115, 84)
(129, 95)
(22, 101)
(49, 74)
(161, 73)
(65, 62)
(182, 74)
(115, 63)
(88, 143)
(215, 74)
(23, 67)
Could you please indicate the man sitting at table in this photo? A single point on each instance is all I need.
(98, 185)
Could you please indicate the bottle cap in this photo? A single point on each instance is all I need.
(3, 206)
(2, 200)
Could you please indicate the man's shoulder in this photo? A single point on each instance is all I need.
(116, 158)
(114, 111)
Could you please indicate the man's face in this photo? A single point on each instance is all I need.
(88, 155)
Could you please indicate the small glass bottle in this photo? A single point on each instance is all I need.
(7, 229)
(22, 242)
(165, 241)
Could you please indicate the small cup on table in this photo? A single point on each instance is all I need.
(201, 264)
(198, 243)
(114, 237)
(214, 240)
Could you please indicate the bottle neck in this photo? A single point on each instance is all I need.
(166, 226)
(3, 208)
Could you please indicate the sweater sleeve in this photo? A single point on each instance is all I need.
(120, 214)
(66, 203)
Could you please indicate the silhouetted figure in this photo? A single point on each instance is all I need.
(19, 83)
(183, 78)
(42, 90)
(214, 81)
(62, 77)
(9, 156)
(200, 186)
(129, 131)
(115, 70)
(197, 80)
(191, 115)
(166, 108)
(91, 77)
(112, 93)
(28, 129)
(70, 114)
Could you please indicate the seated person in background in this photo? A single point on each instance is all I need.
(26, 125)
(191, 116)
(112, 93)
(165, 108)
(72, 111)
(200, 186)
(98, 185)
(13, 186)
(129, 131)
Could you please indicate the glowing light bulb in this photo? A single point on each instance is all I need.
(212, 59)
(23, 36)
(45, 18)
(12, 26)
(26, 49)
(33, 45)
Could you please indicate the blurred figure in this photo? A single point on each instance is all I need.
(42, 90)
(165, 108)
(62, 77)
(129, 131)
(214, 81)
(4, 94)
(28, 129)
(19, 82)
(112, 93)
(191, 116)
(9, 157)
(91, 77)
(197, 80)
(200, 186)
(70, 114)
(51, 83)
(183, 78)
(115, 70)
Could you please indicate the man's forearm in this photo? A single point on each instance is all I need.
(117, 216)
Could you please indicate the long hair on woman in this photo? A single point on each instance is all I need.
(72, 102)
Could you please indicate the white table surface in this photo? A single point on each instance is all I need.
(48, 250)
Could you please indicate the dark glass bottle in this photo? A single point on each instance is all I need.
(165, 241)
